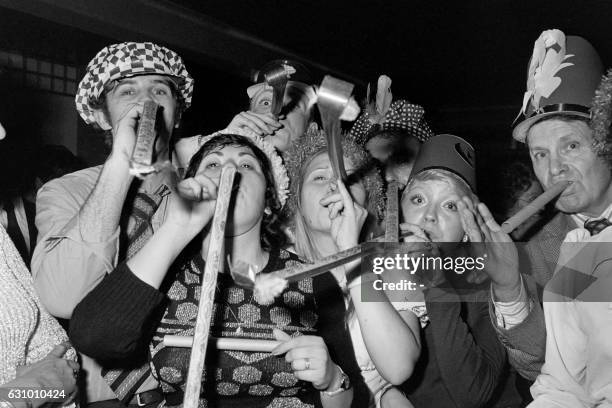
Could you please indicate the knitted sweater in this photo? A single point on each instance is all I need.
(115, 322)
(27, 331)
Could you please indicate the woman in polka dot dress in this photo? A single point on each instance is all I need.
(157, 291)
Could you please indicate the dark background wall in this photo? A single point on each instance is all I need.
(465, 62)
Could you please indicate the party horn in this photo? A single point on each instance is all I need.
(277, 78)
(214, 260)
(224, 343)
(534, 206)
(142, 156)
(334, 98)
(392, 213)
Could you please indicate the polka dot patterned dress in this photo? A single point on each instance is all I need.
(237, 378)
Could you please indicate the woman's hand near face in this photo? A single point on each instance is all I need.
(260, 123)
(193, 205)
(502, 257)
(346, 216)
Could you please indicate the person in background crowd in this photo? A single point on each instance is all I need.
(90, 220)
(18, 190)
(392, 132)
(282, 131)
(17, 209)
(54, 161)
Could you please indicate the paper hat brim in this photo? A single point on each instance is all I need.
(450, 153)
(519, 133)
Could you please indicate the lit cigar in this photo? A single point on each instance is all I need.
(141, 163)
(534, 206)
(224, 343)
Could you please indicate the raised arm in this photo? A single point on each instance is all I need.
(515, 311)
(78, 222)
(395, 353)
(520, 327)
(65, 264)
(111, 321)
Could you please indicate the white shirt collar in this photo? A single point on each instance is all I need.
(580, 219)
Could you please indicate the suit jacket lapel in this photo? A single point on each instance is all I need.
(550, 240)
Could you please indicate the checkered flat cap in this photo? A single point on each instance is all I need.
(129, 59)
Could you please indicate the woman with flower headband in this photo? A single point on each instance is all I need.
(462, 359)
(328, 216)
(125, 316)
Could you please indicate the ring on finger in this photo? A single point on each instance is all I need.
(306, 364)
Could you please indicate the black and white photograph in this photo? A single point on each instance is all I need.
(300, 204)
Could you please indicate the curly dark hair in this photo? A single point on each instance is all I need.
(272, 234)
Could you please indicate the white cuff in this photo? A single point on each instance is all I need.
(510, 314)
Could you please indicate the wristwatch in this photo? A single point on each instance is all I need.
(345, 384)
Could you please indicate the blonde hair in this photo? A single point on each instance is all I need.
(459, 184)
(304, 244)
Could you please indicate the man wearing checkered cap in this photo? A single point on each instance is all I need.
(89, 220)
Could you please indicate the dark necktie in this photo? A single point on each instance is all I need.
(125, 383)
(596, 226)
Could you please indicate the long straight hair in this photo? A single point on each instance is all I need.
(305, 245)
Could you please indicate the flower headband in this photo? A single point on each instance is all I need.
(314, 142)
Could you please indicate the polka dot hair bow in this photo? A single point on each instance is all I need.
(383, 115)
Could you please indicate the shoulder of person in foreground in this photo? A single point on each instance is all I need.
(65, 267)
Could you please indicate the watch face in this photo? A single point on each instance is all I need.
(345, 384)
